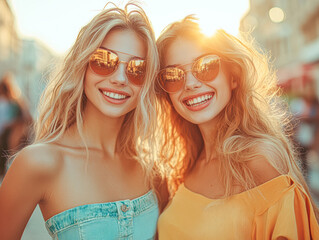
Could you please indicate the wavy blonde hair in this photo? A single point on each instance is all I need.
(254, 123)
(63, 100)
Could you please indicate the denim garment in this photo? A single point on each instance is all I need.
(126, 219)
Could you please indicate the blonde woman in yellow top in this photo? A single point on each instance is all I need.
(232, 167)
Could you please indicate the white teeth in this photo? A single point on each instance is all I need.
(114, 95)
(198, 100)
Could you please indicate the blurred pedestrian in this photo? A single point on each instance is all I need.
(16, 135)
(9, 95)
(15, 121)
(305, 107)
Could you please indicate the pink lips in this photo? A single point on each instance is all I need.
(199, 106)
(113, 100)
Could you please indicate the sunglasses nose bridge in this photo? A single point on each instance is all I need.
(119, 75)
(191, 82)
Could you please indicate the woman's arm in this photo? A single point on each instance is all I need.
(22, 189)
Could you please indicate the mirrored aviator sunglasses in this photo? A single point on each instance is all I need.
(205, 69)
(104, 62)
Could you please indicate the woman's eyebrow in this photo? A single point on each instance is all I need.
(181, 65)
(173, 65)
(120, 52)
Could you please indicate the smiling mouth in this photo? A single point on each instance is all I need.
(116, 96)
(199, 100)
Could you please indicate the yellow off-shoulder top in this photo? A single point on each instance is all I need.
(277, 209)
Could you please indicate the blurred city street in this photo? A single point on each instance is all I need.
(286, 30)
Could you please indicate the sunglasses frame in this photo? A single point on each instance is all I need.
(118, 63)
(185, 71)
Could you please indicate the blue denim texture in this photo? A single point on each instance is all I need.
(126, 219)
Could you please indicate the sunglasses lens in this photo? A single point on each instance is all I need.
(103, 62)
(171, 79)
(136, 70)
(206, 68)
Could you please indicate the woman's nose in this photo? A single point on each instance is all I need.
(191, 82)
(119, 76)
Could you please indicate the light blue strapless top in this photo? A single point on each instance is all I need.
(126, 219)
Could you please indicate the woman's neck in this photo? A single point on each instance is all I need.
(100, 131)
(209, 133)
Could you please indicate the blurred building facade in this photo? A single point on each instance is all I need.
(28, 60)
(293, 42)
(9, 40)
(35, 65)
(289, 31)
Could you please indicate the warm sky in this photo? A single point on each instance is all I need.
(57, 22)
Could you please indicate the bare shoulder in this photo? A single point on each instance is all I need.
(25, 185)
(40, 159)
(262, 170)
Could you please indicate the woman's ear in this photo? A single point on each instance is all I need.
(233, 83)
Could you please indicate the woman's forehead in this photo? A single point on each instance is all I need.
(182, 51)
(126, 41)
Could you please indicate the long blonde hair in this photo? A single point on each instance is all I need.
(254, 123)
(63, 101)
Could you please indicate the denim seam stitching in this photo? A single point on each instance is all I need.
(77, 223)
